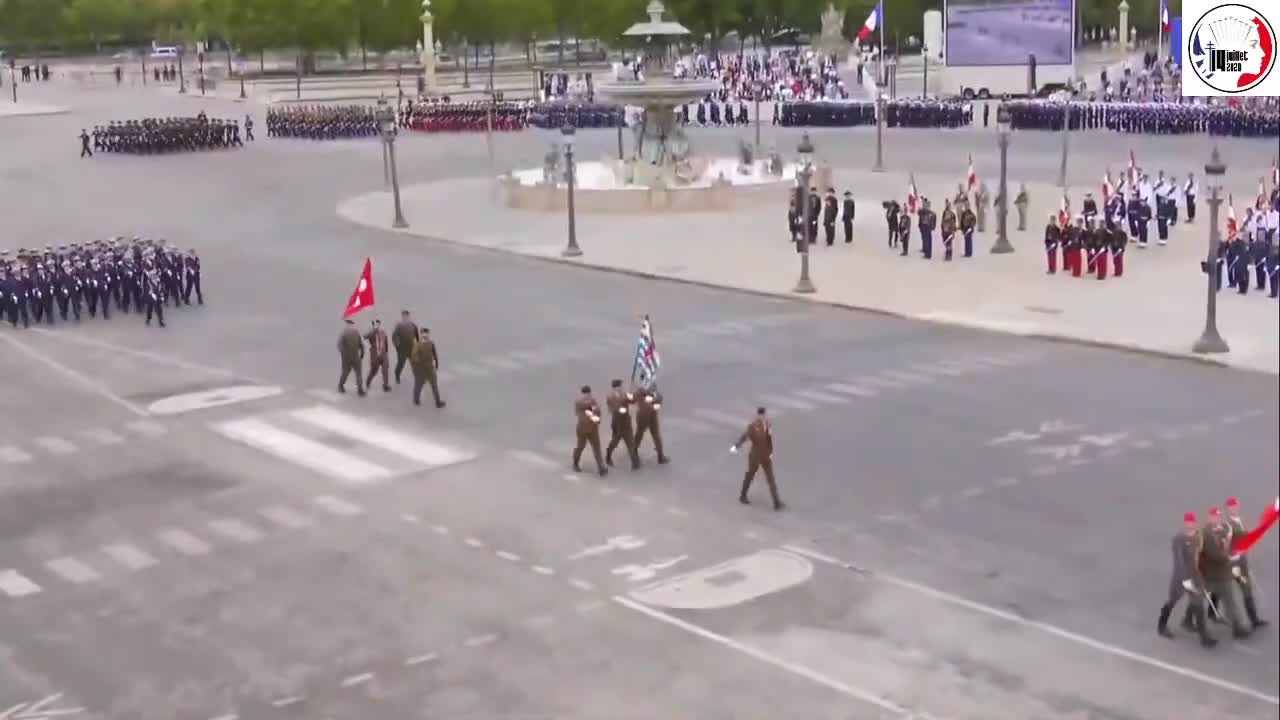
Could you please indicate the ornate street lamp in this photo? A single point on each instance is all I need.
(1211, 341)
(386, 117)
(1004, 130)
(572, 249)
(804, 175)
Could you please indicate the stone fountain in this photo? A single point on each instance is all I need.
(661, 173)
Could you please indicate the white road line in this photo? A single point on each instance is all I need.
(469, 371)
(416, 448)
(236, 530)
(909, 377)
(473, 542)
(639, 499)
(303, 452)
(1057, 632)
(582, 585)
(85, 381)
(286, 702)
(575, 479)
(529, 457)
(672, 510)
(226, 717)
(687, 425)
(824, 398)
(543, 570)
(420, 659)
(73, 571)
(145, 355)
(128, 556)
(325, 394)
(776, 401)
(501, 364)
(285, 517)
(356, 680)
(721, 418)
(183, 541)
(881, 381)
(949, 368)
(13, 455)
(527, 357)
(16, 585)
(56, 445)
(103, 436)
(850, 691)
(410, 518)
(480, 640)
(847, 389)
(337, 506)
(439, 529)
(147, 428)
(508, 556)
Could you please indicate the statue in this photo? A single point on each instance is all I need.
(982, 199)
(832, 41)
(1021, 202)
(775, 163)
(746, 157)
(551, 165)
(427, 53)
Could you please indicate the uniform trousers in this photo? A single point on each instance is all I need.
(585, 438)
(848, 231)
(376, 363)
(1100, 263)
(1051, 254)
(968, 243)
(1191, 208)
(1117, 259)
(349, 367)
(830, 230)
(620, 432)
(755, 464)
(926, 243)
(420, 380)
(402, 359)
(651, 427)
(947, 239)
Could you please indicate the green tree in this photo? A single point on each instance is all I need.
(96, 21)
(29, 26)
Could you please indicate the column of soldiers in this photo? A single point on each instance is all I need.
(413, 346)
(642, 403)
(322, 122)
(1087, 246)
(141, 276)
(445, 116)
(804, 215)
(960, 216)
(1251, 252)
(714, 111)
(913, 113)
(1208, 575)
(1155, 118)
(152, 136)
(554, 115)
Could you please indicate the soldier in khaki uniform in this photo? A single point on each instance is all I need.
(404, 337)
(620, 430)
(379, 347)
(1215, 563)
(1240, 565)
(760, 457)
(1186, 581)
(351, 350)
(587, 414)
(648, 403)
(425, 361)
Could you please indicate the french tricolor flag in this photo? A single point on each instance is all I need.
(1165, 25)
(873, 22)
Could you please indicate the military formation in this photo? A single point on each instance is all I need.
(322, 122)
(642, 403)
(1209, 574)
(435, 116)
(963, 216)
(152, 136)
(551, 116)
(68, 282)
(1250, 253)
(1152, 118)
(913, 113)
(367, 357)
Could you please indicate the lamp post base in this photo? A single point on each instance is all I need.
(1210, 343)
(571, 252)
(804, 287)
(400, 223)
(878, 167)
(1002, 246)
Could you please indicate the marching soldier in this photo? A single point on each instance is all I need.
(350, 351)
(1238, 263)
(1073, 248)
(648, 403)
(1215, 558)
(620, 429)
(191, 272)
(846, 215)
(891, 211)
(1021, 201)
(1102, 245)
(85, 151)
(904, 232)
(425, 361)
(378, 352)
(815, 211)
(968, 222)
(587, 413)
(829, 211)
(1187, 582)
(760, 457)
(1089, 239)
(1052, 239)
(948, 230)
(927, 222)
(1189, 193)
(403, 338)
(1119, 243)
(1240, 565)
(153, 293)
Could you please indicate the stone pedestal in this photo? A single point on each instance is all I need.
(831, 41)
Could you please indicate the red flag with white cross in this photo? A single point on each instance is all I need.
(362, 296)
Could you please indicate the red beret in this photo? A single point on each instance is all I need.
(1214, 511)
(1232, 502)
(1189, 517)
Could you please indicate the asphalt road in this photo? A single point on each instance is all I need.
(977, 526)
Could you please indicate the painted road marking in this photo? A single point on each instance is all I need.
(847, 389)
(880, 381)
(786, 402)
(415, 448)
(821, 397)
(508, 556)
(73, 571)
(235, 530)
(130, 557)
(11, 454)
(303, 452)
(337, 506)
(721, 418)
(56, 445)
(102, 436)
(16, 585)
(183, 541)
(356, 680)
(420, 659)
(909, 377)
(206, 399)
(529, 457)
(480, 640)
(285, 517)
(147, 428)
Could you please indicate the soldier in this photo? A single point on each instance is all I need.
(620, 429)
(378, 352)
(948, 230)
(847, 210)
(1240, 564)
(403, 337)
(1089, 240)
(927, 222)
(1119, 243)
(1052, 239)
(1238, 262)
(425, 361)
(648, 403)
(904, 232)
(153, 294)
(968, 221)
(830, 210)
(1215, 561)
(1135, 213)
(248, 127)
(982, 201)
(1089, 208)
(1259, 249)
(1187, 582)
(1021, 201)
(84, 144)
(1102, 245)
(815, 211)
(891, 210)
(1073, 247)
(351, 352)
(1189, 193)
(760, 457)
(587, 414)
(794, 221)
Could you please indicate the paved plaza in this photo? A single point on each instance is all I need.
(195, 526)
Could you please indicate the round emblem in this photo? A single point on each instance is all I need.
(1232, 48)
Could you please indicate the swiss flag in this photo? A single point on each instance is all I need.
(362, 296)
(1251, 538)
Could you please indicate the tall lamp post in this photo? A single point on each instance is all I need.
(879, 166)
(1066, 139)
(387, 124)
(13, 79)
(200, 61)
(572, 249)
(182, 76)
(1004, 131)
(804, 175)
(386, 156)
(1211, 341)
(759, 90)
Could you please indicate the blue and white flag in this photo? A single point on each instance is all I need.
(647, 362)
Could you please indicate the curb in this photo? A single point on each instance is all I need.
(37, 113)
(1034, 335)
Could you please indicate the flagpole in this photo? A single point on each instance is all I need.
(880, 22)
(1159, 32)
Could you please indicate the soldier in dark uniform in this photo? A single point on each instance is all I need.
(847, 210)
(1215, 562)
(904, 232)
(621, 430)
(425, 363)
(830, 209)
(403, 338)
(1259, 250)
(1089, 240)
(648, 404)
(1135, 214)
(153, 294)
(1240, 565)
(1186, 581)
(351, 352)
(968, 223)
(1021, 201)
(1238, 264)
(760, 457)
(587, 428)
(1144, 220)
(1119, 243)
(1189, 193)
(891, 210)
(191, 277)
(379, 349)
(1052, 239)
(84, 144)
(927, 223)
(1102, 247)
(815, 212)
(948, 230)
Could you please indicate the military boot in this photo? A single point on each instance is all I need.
(1189, 619)
(1251, 610)
(1206, 640)
(1162, 625)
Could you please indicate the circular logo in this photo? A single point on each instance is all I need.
(1232, 48)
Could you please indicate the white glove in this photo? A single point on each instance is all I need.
(1188, 586)
(733, 449)
(622, 411)
(657, 406)
(1235, 572)
(1235, 557)
(649, 399)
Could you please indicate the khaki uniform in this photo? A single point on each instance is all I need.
(378, 356)
(1215, 562)
(1240, 573)
(425, 361)
(403, 337)
(351, 351)
(1186, 567)
(620, 429)
(647, 406)
(759, 458)
(587, 413)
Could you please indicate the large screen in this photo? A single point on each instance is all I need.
(1006, 32)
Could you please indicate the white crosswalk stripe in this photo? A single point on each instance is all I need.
(776, 401)
(128, 556)
(72, 570)
(183, 542)
(337, 506)
(721, 418)
(909, 378)
(416, 448)
(855, 390)
(16, 585)
(147, 428)
(285, 517)
(826, 398)
(103, 436)
(236, 530)
(13, 456)
(304, 452)
(56, 445)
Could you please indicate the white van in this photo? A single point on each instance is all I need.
(161, 52)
